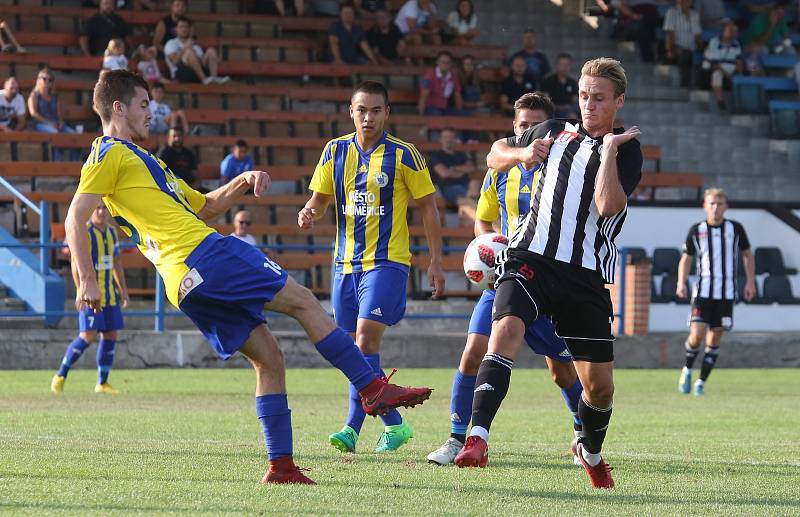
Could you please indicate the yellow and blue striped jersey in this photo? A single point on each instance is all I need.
(371, 192)
(507, 195)
(153, 207)
(104, 248)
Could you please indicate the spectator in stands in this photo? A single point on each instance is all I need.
(462, 24)
(347, 40)
(638, 21)
(12, 107)
(8, 43)
(440, 92)
(416, 20)
(114, 56)
(102, 28)
(148, 66)
(163, 115)
(452, 170)
(299, 7)
(385, 39)
(237, 162)
(752, 59)
(712, 13)
(538, 64)
(722, 59)
(368, 9)
(562, 88)
(46, 111)
(181, 160)
(770, 30)
(241, 227)
(516, 85)
(471, 90)
(682, 36)
(166, 27)
(186, 60)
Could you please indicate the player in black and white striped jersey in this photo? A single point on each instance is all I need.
(561, 257)
(716, 243)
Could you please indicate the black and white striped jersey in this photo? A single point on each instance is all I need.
(563, 222)
(717, 250)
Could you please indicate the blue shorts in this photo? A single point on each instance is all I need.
(225, 290)
(378, 294)
(108, 319)
(541, 335)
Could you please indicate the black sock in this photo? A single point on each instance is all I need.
(491, 386)
(709, 360)
(595, 423)
(460, 437)
(691, 355)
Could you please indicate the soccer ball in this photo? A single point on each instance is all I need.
(479, 259)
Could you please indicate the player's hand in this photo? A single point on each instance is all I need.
(259, 180)
(749, 291)
(537, 152)
(436, 279)
(612, 141)
(125, 299)
(305, 218)
(681, 291)
(89, 295)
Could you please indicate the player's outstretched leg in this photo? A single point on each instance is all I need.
(105, 358)
(74, 351)
(378, 396)
(594, 410)
(272, 407)
(461, 398)
(494, 377)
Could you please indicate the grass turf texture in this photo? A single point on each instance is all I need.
(187, 441)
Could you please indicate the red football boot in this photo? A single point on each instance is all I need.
(474, 454)
(600, 474)
(380, 396)
(283, 470)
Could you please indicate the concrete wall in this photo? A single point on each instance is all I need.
(43, 349)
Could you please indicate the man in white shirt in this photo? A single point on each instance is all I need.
(241, 227)
(164, 117)
(416, 20)
(723, 60)
(682, 36)
(12, 107)
(186, 60)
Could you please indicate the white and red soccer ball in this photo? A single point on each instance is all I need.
(479, 259)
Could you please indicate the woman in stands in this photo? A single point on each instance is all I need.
(46, 113)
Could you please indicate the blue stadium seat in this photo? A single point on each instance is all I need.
(665, 260)
(782, 62)
(769, 259)
(784, 119)
(750, 93)
(778, 289)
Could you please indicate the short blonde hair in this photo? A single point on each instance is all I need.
(715, 192)
(608, 68)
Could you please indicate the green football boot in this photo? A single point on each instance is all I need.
(394, 436)
(345, 440)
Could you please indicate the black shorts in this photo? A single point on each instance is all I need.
(575, 298)
(185, 74)
(717, 314)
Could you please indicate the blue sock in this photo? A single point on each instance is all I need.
(339, 350)
(276, 421)
(461, 404)
(355, 414)
(571, 397)
(105, 358)
(74, 351)
(393, 416)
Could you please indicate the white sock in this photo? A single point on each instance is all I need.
(687, 370)
(699, 381)
(591, 459)
(480, 432)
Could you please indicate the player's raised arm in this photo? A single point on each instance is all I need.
(433, 234)
(78, 240)
(609, 195)
(314, 209)
(220, 200)
(525, 149)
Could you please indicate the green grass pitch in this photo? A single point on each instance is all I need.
(187, 442)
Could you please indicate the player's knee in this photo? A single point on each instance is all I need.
(87, 336)
(599, 394)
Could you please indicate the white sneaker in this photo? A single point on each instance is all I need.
(446, 454)
(221, 79)
(208, 80)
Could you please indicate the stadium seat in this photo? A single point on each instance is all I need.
(665, 260)
(777, 288)
(770, 260)
(636, 254)
(667, 293)
(784, 119)
(750, 93)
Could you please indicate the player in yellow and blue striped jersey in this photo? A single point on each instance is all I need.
(370, 176)
(506, 195)
(104, 249)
